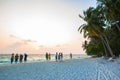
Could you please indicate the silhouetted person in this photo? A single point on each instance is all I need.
(21, 58)
(49, 56)
(70, 55)
(59, 56)
(25, 57)
(16, 58)
(12, 58)
(46, 56)
(56, 56)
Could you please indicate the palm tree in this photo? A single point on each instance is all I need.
(95, 26)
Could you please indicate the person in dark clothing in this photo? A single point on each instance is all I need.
(59, 56)
(46, 56)
(16, 58)
(49, 56)
(70, 55)
(12, 58)
(25, 57)
(56, 56)
(21, 58)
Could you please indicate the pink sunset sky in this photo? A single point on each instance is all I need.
(40, 26)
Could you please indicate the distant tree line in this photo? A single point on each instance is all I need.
(102, 28)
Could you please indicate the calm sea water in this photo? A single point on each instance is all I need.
(5, 58)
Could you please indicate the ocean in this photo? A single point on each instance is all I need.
(5, 58)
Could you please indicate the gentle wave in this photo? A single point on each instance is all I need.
(5, 58)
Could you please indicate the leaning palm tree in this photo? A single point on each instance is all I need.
(94, 26)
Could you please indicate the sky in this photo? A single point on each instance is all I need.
(40, 26)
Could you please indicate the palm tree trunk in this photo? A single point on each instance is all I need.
(104, 46)
(116, 23)
(118, 26)
(108, 46)
(105, 40)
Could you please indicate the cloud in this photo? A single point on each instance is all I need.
(22, 40)
(19, 47)
(12, 36)
(58, 45)
(29, 41)
(66, 44)
(12, 48)
(63, 45)
(17, 44)
(41, 46)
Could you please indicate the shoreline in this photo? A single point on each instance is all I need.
(38, 58)
(30, 62)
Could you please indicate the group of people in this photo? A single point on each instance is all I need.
(58, 56)
(48, 56)
(19, 58)
(15, 57)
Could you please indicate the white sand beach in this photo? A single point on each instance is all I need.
(80, 69)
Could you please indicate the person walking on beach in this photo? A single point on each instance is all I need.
(25, 57)
(56, 56)
(16, 58)
(70, 55)
(21, 58)
(12, 58)
(46, 56)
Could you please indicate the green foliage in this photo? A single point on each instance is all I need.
(95, 47)
(102, 28)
